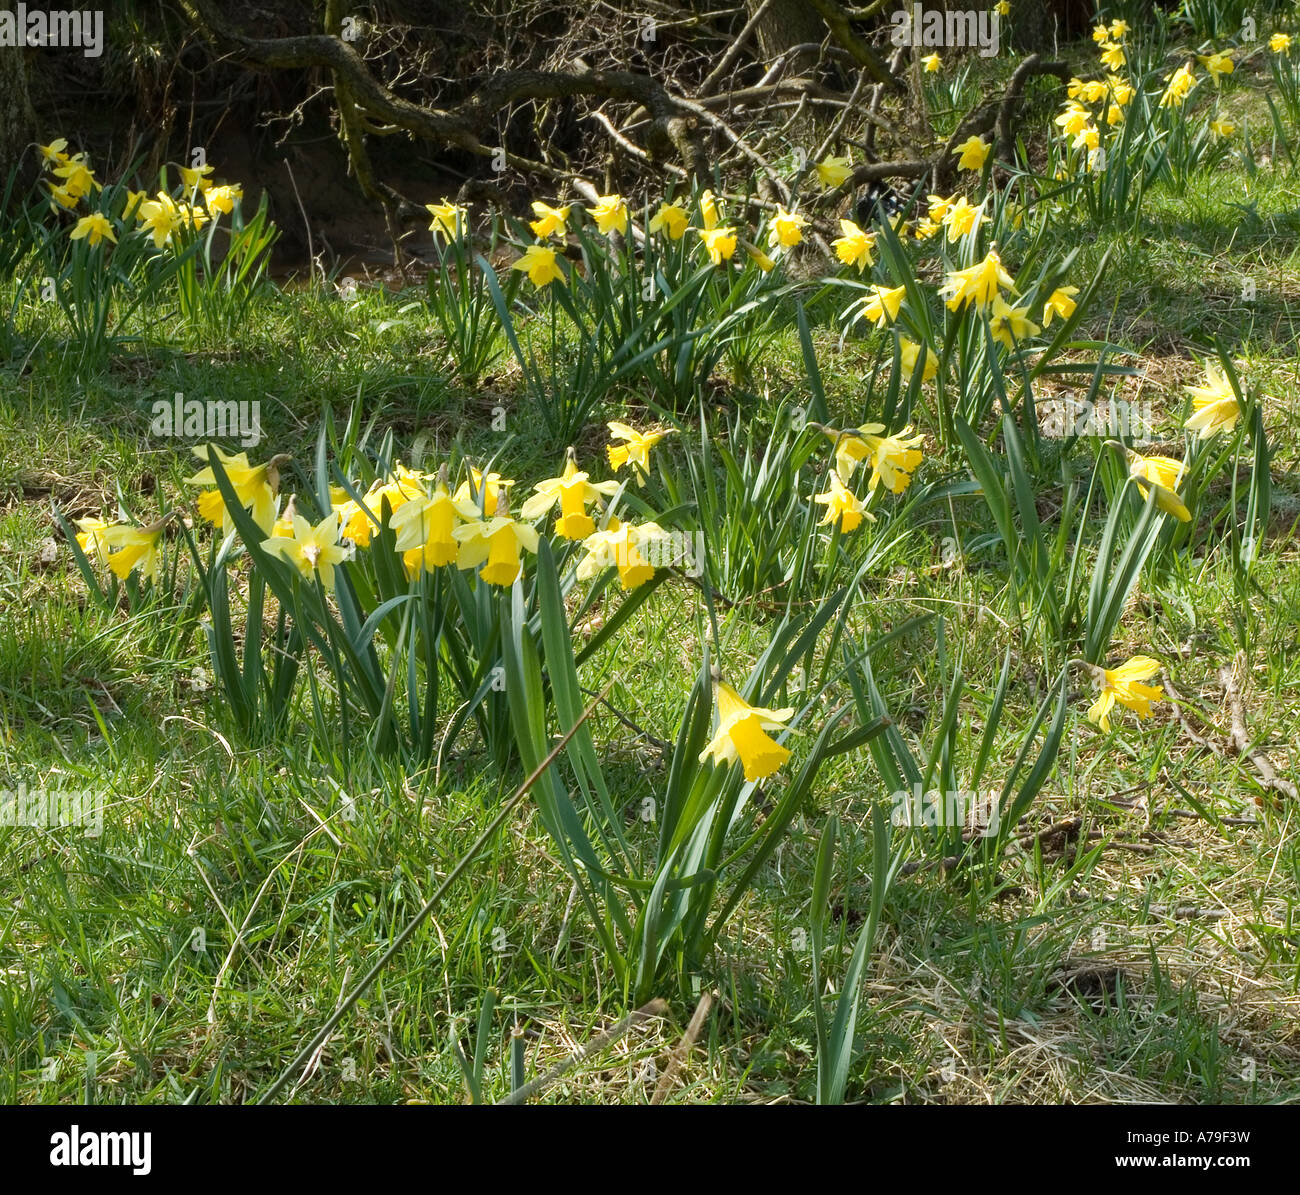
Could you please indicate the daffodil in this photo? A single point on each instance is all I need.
(1101, 33)
(931, 62)
(620, 546)
(636, 449)
(979, 284)
(1060, 302)
(541, 265)
(1214, 405)
(496, 544)
(893, 457)
(972, 154)
(908, 353)
(786, 228)
(485, 492)
(960, 218)
(758, 257)
(842, 505)
(1112, 55)
(1164, 473)
(834, 172)
(255, 486)
(573, 491)
(1222, 128)
(882, 306)
(196, 178)
(90, 539)
(1073, 119)
(311, 549)
(1119, 29)
(78, 178)
(134, 547)
(1177, 86)
(670, 218)
(448, 219)
(1279, 43)
(742, 735)
(1120, 89)
(1218, 63)
(710, 213)
(853, 247)
(719, 242)
(64, 198)
(1003, 8)
(424, 528)
(94, 228)
(551, 221)
(53, 154)
(610, 214)
(223, 198)
(358, 520)
(1124, 685)
(1008, 324)
(161, 217)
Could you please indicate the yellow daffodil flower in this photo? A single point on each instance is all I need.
(1218, 63)
(972, 154)
(960, 218)
(255, 486)
(1279, 43)
(670, 218)
(1112, 55)
(742, 735)
(978, 285)
(401, 486)
(311, 549)
(551, 221)
(541, 266)
(424, 527)
(610, 214)
(1222, 128)
(710, 212)
(448, 219)
(834, 172)
(161, 217)
(496, 544)
(719, 242)
(1059, 302)
(635, 451)
(1177, 86)
(882, 307)
(53, 154)
(931, 62)
(907, 357)
(854, 246)
(485, 492)
(1164, 473)
(785, 228)
(1123, 685)
(134, 547)
(1214, 405)
(619, 545)
(90, 539)
(842, 505)
(573, 491)
(223, 198)
(94, 228)
(1008, 324)
(196, 178)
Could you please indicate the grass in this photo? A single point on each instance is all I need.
(1140, 943)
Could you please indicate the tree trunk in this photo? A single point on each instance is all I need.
(786, 23)
(17, 121)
